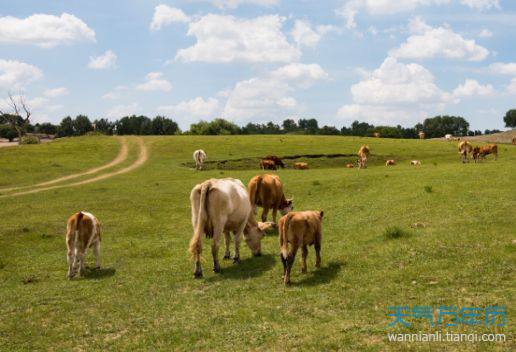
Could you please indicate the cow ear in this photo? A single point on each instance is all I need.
(321, 214)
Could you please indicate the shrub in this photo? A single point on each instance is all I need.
(94, 133)
(8, 132)
(392, 232)
(29, 140)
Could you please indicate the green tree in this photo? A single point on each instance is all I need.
(289, 125)
(163, 126)
(46, 128)
(215, 127)
(310, 126)
(66, 128)
(329, 130)
(82, 125)
(8, 132)
(439, 126)
(510, 118)
(104, 126)
(138, 125)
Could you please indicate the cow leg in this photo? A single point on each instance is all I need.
(227, 240)
(217, 232)
(79, 259)
(290, 262)
(238, 236)
(96, 252)
(70, 256)
(304, 254)
(265, 213)
(284, 262)
(274, 214)
(317, 246)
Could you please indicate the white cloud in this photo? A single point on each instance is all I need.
(46, 31)
(115, 93)
(119, 111)
(471, 87)
(395, 93)
(229, 39)
(16, 75)
(485, 33)
(154, 81)
(104, 61)
(428, 42)
(232, 4)
(264, 98)
(193, 109)
(165, 15)
(481, 4)
(503, 68)
(56, 92)
(511, 88)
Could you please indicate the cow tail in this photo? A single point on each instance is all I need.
(73, 230)
(284, 236)
(195, 247)
(253, 192)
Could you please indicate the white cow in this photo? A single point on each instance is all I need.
(220, 206)
(415, 162)
(82, 232)
(199, 157)
(448, 137)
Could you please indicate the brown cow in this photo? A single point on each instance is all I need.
(301, 166)
(300, 229)
(82, 232)
(266, 191)
(481, 152)
(277, 160)
(363, 154)
(465, 148)
(390, 162)
(514, 140)
(268, 165)
(421, 135)
(350, 165)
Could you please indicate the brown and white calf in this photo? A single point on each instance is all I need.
(199, 157)
(301, 166)
(465, 148)
(390, 162)
(266, 164)
(363, 154)
(82, 232)
(415, 162)
(299, 229)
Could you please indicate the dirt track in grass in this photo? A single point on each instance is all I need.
(142, 158)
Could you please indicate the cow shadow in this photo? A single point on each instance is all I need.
(246, 269)
(319, 276)
(98, 274)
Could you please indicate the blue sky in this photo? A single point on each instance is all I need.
(385, 62)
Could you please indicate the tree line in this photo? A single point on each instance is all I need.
(11, 126)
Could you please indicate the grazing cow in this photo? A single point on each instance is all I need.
(82, 232)
(448, 137)
(267, 165)
(266, 191)
(199, 157)
(350, 165)
(481, 152)
(301, 166)
(277, 160)
(390, 162)
(465, 148)
(363, 154)
(300, 229)
(421, 135)
(220, 206)
(376, 134)
(514, 140)
(415, 162)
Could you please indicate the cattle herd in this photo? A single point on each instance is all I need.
(226, 206)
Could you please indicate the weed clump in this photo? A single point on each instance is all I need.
(428, 189)
(393, 232)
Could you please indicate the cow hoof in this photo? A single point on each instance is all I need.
(216, 269)
(198, 274)
(227, 256)
(236, 260)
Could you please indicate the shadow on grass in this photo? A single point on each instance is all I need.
(248, 268)
(98, 274)
(317, 277)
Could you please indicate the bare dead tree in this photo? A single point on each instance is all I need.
(14, 118)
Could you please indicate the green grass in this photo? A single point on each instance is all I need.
(145, 297)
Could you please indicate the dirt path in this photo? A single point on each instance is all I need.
(142, 158)
(122, 155)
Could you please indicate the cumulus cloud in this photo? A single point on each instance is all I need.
(16, 75)
(154, 81)
(428, 42)
(395, 92)
(232, 4)
(119, 111)
(471, 87)
(503, 68)
(56, 92)
(104, 61)
(485, 33)
(264, 98)
(194, 109)
(511, 88)
(43, 30)
(227, 39)
(481, 4)
(165, 15)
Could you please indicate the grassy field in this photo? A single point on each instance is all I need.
(145, 296)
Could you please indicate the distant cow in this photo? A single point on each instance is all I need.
(481, 152)
(300, 229)
(199, 156)
(376, 134)
(220, 206)
(448, 137)
(277, 160)
(350, 165)
(266, 191)
(267, 165)
(514, 140)
(415, 162)
(301, 166)
(421, 135)
(465, 148)
(390, 162)
(363, 155)
(82, 232)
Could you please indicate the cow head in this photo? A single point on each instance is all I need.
(253, 235)
(287, 206)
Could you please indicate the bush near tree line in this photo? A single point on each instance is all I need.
(437, 126)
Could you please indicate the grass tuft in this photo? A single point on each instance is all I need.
(428, 189)
(316, 183)
(393, 232)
